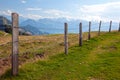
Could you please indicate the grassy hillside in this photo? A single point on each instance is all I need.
(97, 59)
(32, 48)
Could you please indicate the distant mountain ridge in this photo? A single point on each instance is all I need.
(33, 30)
(4, 20)
(51, 26)
(6, 25)
(56, 26)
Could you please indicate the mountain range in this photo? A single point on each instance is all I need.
(6, 26)
(56, 26)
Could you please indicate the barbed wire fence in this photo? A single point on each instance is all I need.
(66, 30)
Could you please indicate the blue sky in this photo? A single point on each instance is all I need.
(94, 10)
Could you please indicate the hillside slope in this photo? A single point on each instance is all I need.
(97, 59)
(32, 48)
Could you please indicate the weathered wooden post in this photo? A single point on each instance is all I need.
(66, 37)
(15, 34)
(119, 27)
(99, 28)
(110, 26)
(89, 35)
(80, 34)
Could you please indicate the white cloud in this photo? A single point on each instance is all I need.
(6, 12)
(31, 16)
(106, 11)
(28, 16)
(94, 18)
(34, 9)
(23, 1)
(54, 13)
(94, 9)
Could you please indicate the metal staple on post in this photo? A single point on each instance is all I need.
(80, 34)
(15, 34)
(66, 37)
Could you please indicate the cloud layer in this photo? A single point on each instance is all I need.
(23, 1)
(105, 12)
(6, 12)
(34, 9)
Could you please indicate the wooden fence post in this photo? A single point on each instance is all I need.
(80, 34)
(15, 34)
(99, 28)
(110, 26)
(66, 37)
(119, 27)
(89, 35)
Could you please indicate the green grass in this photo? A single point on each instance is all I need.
(97, 59)
(1, 33)
(32, 45)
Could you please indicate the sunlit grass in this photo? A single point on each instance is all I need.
(97, 59)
